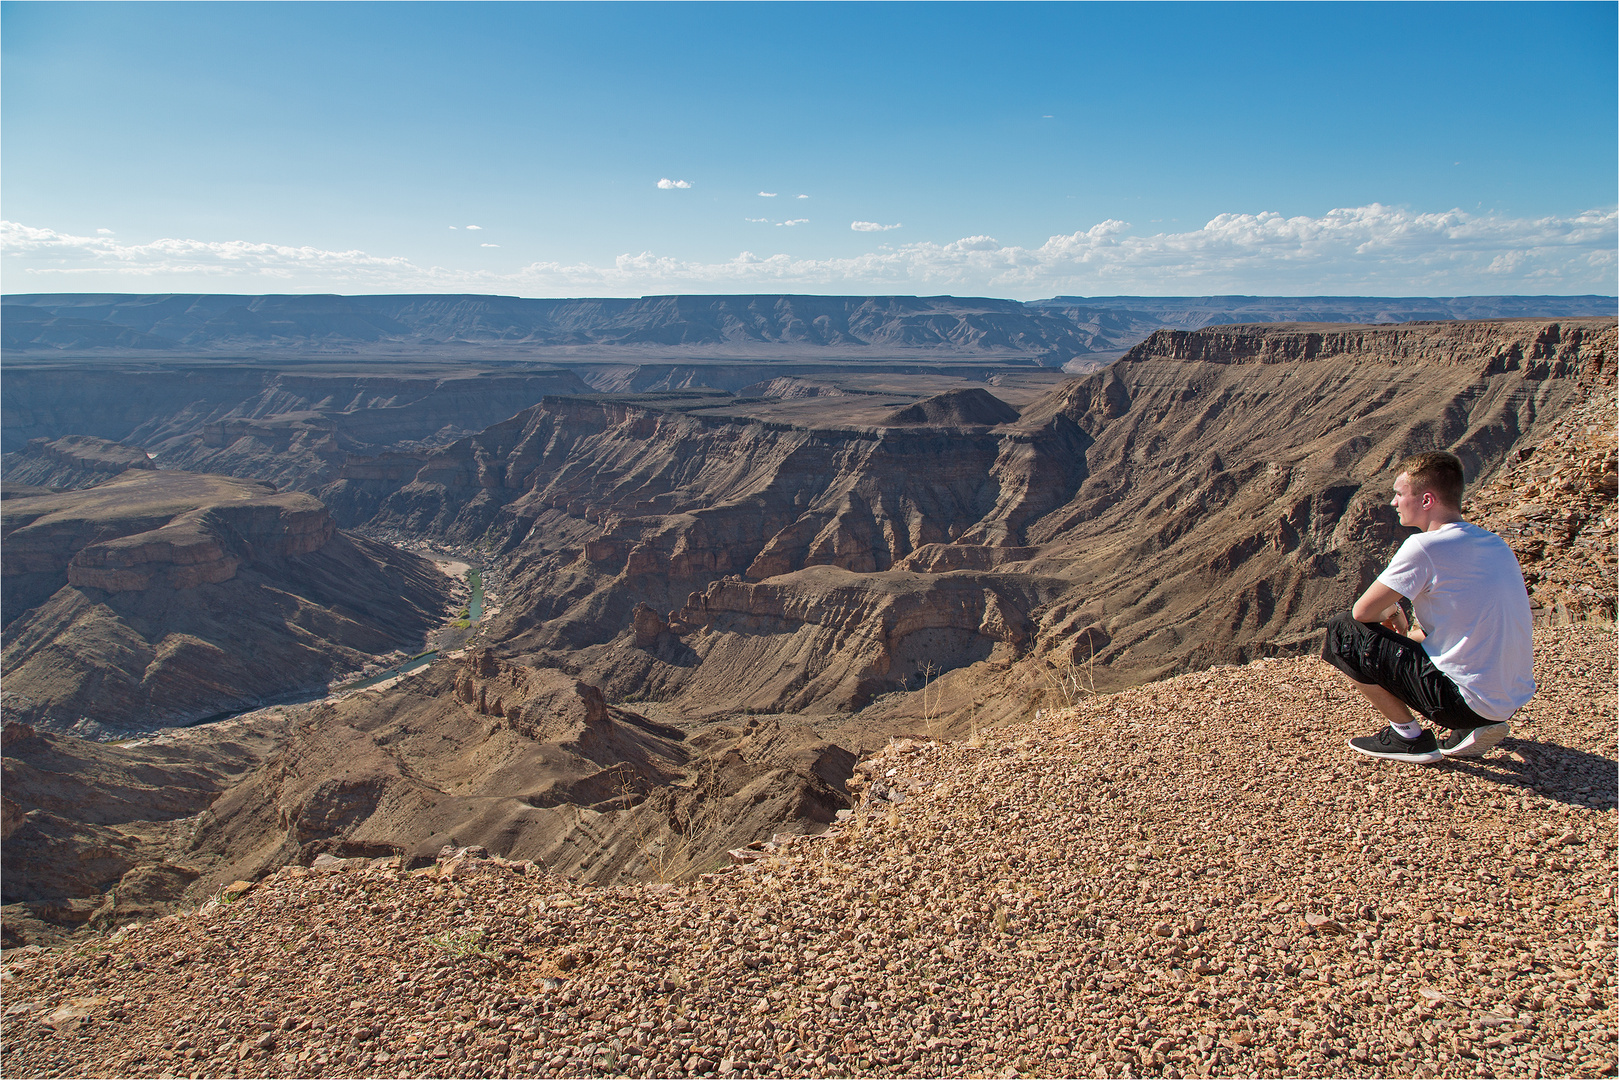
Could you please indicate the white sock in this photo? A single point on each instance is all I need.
(1413, 730)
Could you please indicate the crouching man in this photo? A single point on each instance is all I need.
(1470, 666)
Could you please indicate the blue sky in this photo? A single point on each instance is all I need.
(1005, 150)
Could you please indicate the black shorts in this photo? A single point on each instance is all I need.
(1371, 653)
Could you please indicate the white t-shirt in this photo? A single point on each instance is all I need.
(1468, 591)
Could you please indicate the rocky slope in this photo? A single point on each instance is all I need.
(1554, 503)
(1238, 479)
(526, 761)
(74, 461)
(90, 829)
(1189, 878)
(161, 597)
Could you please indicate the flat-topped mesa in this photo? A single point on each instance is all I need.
(1585, 347)
(161, 598)
(768, 325)
(147, 529)
(205, 546)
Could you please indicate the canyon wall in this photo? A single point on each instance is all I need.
(1209, 498)
(162, 597)
(74, 461)
(1238, 478)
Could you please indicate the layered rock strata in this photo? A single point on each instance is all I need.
(164, 597)
(153, 529)
(74, 461)
(290, 427)
(1211, 497)
(1238, 479)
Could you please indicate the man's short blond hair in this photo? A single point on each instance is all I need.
(1438, 471)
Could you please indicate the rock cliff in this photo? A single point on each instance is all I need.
(1211, 497)
(1237, 479)
(163, 597)
(74, 461)
(95, 833)
(1554, 502)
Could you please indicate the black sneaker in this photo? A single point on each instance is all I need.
(1422, 750)
(1473, 742)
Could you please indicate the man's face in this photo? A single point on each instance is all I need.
(1410, 505)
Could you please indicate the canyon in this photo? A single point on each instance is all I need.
(160, 598)
(714, 599)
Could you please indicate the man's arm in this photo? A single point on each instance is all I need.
(1381, 604)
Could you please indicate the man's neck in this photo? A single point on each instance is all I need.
(1440, 520)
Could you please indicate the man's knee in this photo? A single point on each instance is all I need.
(1342, 631)
(1345, 647)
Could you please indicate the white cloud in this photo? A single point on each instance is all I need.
(454, 226)
(46, 252)
(666, 184)
(794, 221)
(475, 228)
(103, 232)
(488, 245)
(871, 226)
(761, 220)
(800, 196)
(767, 194)
(1369, 250)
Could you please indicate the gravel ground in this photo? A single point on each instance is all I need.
(1190, 878)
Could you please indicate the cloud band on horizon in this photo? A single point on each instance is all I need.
(1372, 249)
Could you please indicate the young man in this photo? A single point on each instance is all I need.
(1470, 666)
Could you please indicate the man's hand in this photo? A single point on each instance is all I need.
(1381, 604)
